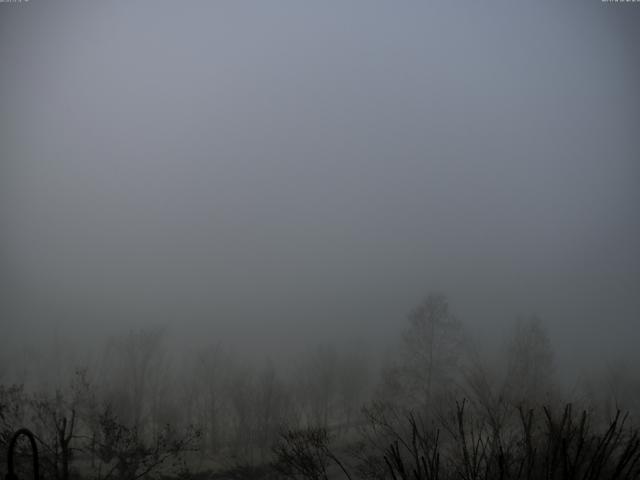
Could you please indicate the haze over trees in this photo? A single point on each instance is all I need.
(430, 357)
(137, 409)
(320, 240)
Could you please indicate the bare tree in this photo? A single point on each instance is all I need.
(272, 407)
(127, 455)
(63, 422)
(136, 361)
(353, 383)
(307, 453)
(55, 418)
(431, 351)
(242, 400)
(530, 364)
(210, 376)
(318, 385)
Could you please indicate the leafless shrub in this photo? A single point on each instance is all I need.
(545, 446)
(306, 454)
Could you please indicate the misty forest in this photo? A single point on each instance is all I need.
(331, 240)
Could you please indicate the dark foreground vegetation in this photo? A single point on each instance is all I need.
(465, 446)
(436, 409)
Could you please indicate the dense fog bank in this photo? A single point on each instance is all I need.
(224, 227)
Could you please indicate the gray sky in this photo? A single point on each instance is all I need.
(269, 173)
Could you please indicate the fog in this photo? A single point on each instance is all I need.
(275, 176)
